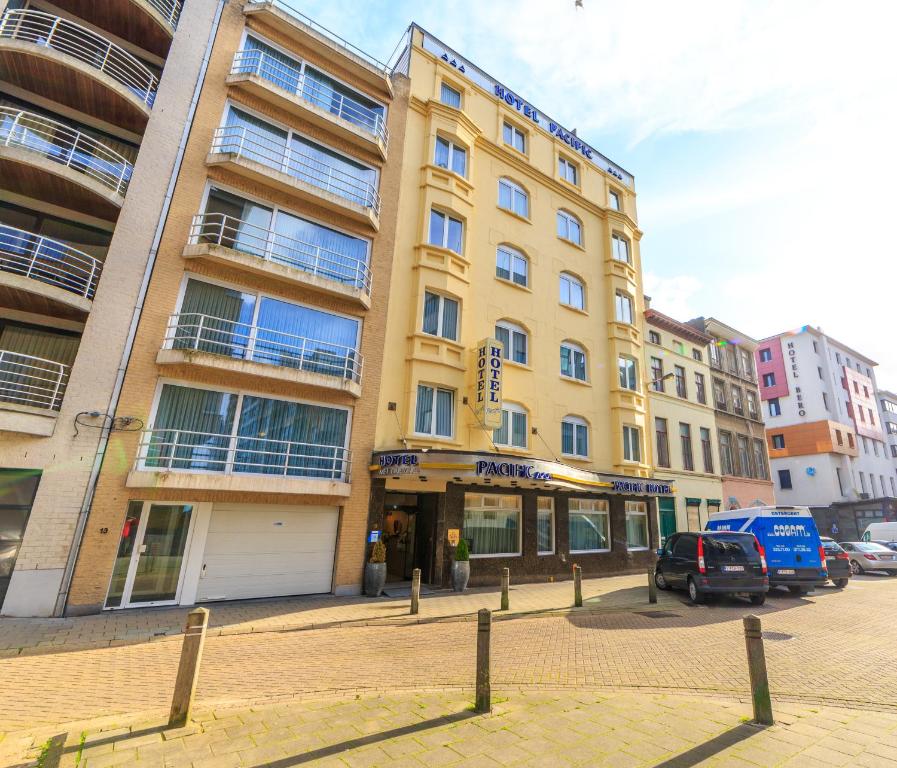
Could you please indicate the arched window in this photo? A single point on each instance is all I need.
(511, 264)
(574, 436)
(515, 340)
(573, 361)
(573, 292)
(569, 227)
(513, 430)
(513, 197)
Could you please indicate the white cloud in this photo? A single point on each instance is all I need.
(674, 296)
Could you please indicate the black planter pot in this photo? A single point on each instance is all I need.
(374, 579)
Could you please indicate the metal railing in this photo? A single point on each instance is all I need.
(49, 31)
(269, 245)
(32, 381)
(169, 9)
(298, 82)
(259, 147)
(191, 451)
(204, 333)
(290, 10)
(65, 146)
(48, 261)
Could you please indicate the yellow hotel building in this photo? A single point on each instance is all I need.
(516, 242)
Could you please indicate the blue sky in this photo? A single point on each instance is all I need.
(761, 136)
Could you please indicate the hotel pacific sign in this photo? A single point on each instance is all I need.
(487, 391)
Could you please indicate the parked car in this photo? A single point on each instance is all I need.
(837, 561)
(880, 532)
(892, 545)
(711, 562)
(789, 539)
(866, 556)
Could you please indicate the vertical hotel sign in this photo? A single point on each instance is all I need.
(487, 393)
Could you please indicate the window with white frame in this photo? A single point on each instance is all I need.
(514, 137)
(446, 231)
(435, 413)
(636, 525)
(573, 361)
(512, 197)
(573, 292)
(511, 264)
(515, 340)
(492, 524)
(545, 525)
(440, 316)
(568, 171)
(450, 96)
(623, 308)
(589, 525)
(449, 155)
(613, 200)
(569, 227)
(574, 437)
(513, 431)
(628, 373)
(620, 248)
(632, 446)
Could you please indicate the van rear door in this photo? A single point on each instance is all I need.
(732, 559)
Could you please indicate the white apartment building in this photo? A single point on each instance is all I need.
(887, 402)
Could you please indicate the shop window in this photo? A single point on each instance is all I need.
(492, 524)
(589, 525)
(545, 525)
(636, 525)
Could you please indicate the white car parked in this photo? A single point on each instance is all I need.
(866, 556)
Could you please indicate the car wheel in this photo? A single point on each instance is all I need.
(841, 583)
(660, 580)
(694, 594)
(855, 568)
(758, 599)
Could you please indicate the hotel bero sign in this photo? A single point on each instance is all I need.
(487, 387)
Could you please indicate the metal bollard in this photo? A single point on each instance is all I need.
(188, 668)
(484, 639)
(652, 587)
(415, 590)
(753, 640)
(505, 588)
(577, 586)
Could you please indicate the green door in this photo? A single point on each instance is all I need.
(667, 508)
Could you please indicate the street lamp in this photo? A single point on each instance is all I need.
(661, 379)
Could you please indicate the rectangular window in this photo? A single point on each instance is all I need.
(512, 431)
(706, 450)
(894, 451)
(573, 362)
(511, 265)
(435, 418)
(654, 337)
(628, 373)
(700, 392)
(840, 482)
(636, 525)
(819, 372)
(863, 482)
(574, 437)
(825, 400)
(613, 199)
(775, 407)
(850, 442)
(697, 354)
(688, 461)
(445, 231)
(679, 347)
(589, 525)
(737, 404)
(839, 437)
(765, 355)
(726, 458)
(632, 450)
(681, 390)
(450, 97)
(719, 395)
(492, 524)
(769, 379)
(440, 316)
(624, 308)
(514, 137)
(778, 442)
(451, 156)
(620, 249)
(785, 479)
(657, 382)
(663, 445)
(567, 170)
(545, 525)
(892, 428)
(745, 468)
(752, 409)
(816, 347)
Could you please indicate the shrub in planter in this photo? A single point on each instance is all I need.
(375, 570)
(461, 567)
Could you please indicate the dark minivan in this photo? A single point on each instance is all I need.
(837, 561)
(713, 562)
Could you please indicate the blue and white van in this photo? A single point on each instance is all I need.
(790, 542)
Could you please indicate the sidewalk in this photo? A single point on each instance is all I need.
(20, 637)
(552, 729)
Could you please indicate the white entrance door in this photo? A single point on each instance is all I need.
(268, 550)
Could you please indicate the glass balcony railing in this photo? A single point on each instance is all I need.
(48, 261)
(259, 147)
(184, 450)
(32, 381)
(317, 93)
(241, 341)
(49, 31)
(269, 245)
(61, 144)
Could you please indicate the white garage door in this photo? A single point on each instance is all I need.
(267, 550)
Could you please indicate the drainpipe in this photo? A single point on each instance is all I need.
(77, 539)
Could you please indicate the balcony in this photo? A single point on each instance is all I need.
(70, 64)
(255, 156)
(172, 458)
(31, 392)
(224, 345)
(295, 92)
(49, 269)
(234, 243)
(46, 160)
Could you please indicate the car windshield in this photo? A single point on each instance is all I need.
(863, 546)
(730, 547)
(831, 547)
